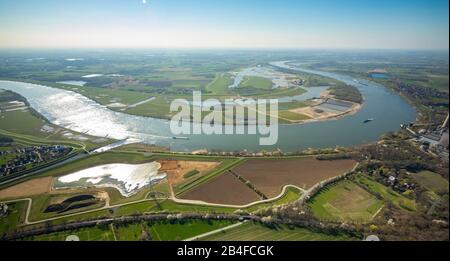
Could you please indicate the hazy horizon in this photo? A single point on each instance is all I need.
(229, 25)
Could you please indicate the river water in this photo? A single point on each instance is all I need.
(79, 113)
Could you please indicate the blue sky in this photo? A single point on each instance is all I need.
(366, 24)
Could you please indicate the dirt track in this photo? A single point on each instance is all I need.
(269, 176)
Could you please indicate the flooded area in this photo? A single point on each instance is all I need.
(74, 83)
(128, 179)
(279, 79)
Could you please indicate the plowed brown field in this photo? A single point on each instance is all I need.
(28, 188)
(269, 176)
(225, 189)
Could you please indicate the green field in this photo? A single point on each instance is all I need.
(149, 206)
(292, 116)
(164, 231)
(158, 231)
(293, 105)
(432, 181)
(85, 234)
(291, 195)
(152, 206)
(15, 217)
(255, 82)
(395, 198)
(220, 85)
(182, 82)
(255, 232)
(345, 201)
(22, 122)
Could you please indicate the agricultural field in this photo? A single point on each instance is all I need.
(205, 179)
(151, 231)
(164, 231)
(399, 200)
(22, 122)
(180, 172)
(256, 232)
(145, 86)
(270, 175)
(255, 82)
(15, 218)
(431, 181)
(162, 205)
(84, 234)
(225, 189)
(345, 201)
(28, 188)
(291, 195)
(219, 86)
(292, 116)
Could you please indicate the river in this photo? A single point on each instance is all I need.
(79, 113)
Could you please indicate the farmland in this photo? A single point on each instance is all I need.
(432, 181)
(14, 219)
(269, 176)
(181, 172)
(256, 82)
(137, 207)
(292, 116)
(219, 85)
(214, 184)
(28, 188)
(84, 234)
(388, 194)
(146, 86)
(257, 232)
(255, 179)
(225, 189)
(345, 201)
(164, 231)
(152, 231)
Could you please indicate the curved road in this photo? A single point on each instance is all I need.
(305, 195)
(176, 200)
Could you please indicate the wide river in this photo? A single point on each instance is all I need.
(79, 113)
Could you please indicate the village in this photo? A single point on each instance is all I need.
(20, 159)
